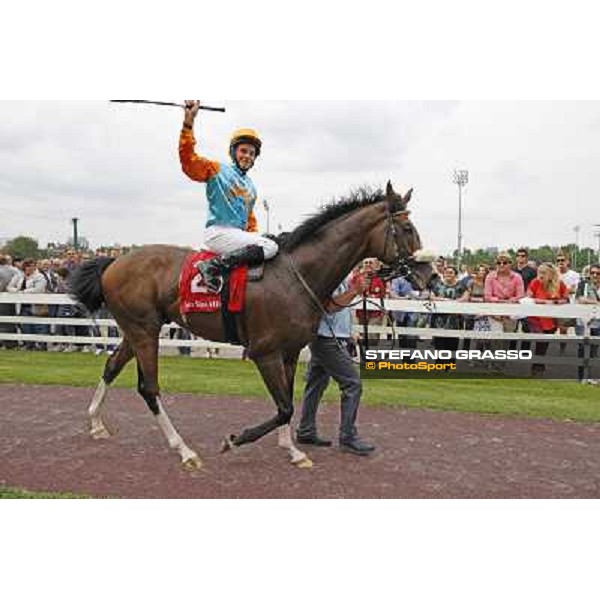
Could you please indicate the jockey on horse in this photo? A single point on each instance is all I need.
(231, 230)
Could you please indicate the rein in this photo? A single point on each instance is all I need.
(317, 303)
(401, 268)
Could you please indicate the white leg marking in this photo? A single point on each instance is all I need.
(188, 457)
(98, 430)
(299, 458)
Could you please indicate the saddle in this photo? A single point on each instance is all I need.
(195, 297)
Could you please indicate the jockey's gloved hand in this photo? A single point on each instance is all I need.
(191, 111)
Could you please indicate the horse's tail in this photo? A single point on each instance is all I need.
(85, 284)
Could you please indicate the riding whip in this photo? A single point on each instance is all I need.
(158, 103)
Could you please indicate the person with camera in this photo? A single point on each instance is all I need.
(375, 294)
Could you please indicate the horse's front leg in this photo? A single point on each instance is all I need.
(273, 371)
(285, 432)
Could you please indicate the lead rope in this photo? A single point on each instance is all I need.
(390, 231)
(319, 305)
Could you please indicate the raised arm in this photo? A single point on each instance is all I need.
(194, 166)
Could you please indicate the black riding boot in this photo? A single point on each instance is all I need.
(214, 270)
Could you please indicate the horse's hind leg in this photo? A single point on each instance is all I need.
(146, 351)
(114, 365)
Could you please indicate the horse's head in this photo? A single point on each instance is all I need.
(396, 242)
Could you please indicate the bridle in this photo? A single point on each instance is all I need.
(400, 267)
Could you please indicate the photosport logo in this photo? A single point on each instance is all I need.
(382, 359)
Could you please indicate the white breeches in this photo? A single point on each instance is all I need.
(224, 240)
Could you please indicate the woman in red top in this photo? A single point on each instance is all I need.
(547, 288)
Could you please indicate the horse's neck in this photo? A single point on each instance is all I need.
(327, 261)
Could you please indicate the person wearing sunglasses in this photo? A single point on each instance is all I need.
(571, 279)
(504, 286)
(522, 267)
(548, 288)
(588, 292)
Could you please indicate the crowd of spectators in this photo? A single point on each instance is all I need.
(507, 281)
(518, 280)
(28, 276)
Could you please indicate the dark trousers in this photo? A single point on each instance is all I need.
(593, 352)
(64, 311)
(112, 332)
(8, 310)
(329, 361)
(28, 329)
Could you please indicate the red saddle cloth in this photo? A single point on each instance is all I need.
(194, 296)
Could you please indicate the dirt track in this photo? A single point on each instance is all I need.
(44, 446)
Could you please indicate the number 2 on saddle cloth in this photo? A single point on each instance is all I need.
(194, 296)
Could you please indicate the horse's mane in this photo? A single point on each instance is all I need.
(358, 198)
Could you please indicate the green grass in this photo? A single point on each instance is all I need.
(560, 400)
(15, 494)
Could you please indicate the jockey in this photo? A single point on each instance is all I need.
(231, 230)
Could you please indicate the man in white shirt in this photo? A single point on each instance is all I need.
(571, 279)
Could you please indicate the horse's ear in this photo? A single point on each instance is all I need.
(389, 190)
(408, 196)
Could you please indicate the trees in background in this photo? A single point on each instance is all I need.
(23, 247)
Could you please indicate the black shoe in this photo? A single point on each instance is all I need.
(357, 446)
(253, 256)
(313, 440)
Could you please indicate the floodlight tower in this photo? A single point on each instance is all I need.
(267, 208)
(576, 230)
(75, 222)
(461, 179)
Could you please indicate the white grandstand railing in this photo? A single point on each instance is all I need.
(584, 313)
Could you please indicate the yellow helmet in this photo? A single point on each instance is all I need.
(245, 136)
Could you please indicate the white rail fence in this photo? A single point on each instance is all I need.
(583, 313)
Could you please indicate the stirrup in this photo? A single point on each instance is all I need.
(215, 284)
(211, 275)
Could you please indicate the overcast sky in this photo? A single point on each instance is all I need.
(532, 167)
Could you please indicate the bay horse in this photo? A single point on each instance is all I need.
(282, 311)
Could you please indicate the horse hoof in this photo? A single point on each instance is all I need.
(100, 433)
(228, 444)
(304, 463)
(194, 463)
